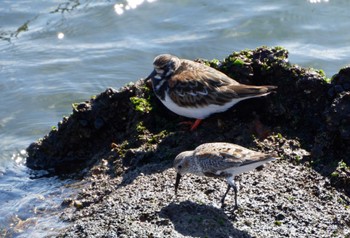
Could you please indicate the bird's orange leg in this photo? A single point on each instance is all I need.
(193, 125)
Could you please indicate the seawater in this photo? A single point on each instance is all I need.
(55, 53)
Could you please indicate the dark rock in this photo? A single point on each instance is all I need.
(346, 86)
(338, 88)
(83, 122)
(341, 81)
(98, 123)
(338, 115)
(73, 145)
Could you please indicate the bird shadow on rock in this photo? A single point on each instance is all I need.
(198, 220)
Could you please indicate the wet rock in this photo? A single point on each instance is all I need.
(84, 133)
(67, 202)
(83, 122)
(98, 123)
(340, 82)
(280, 217)
(338, 115)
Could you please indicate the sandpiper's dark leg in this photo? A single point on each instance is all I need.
(235, 189)
(231, 184)
(177, 182)
(223, 197)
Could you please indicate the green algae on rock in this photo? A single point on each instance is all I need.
(141, 104)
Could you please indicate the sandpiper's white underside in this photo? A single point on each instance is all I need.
(201, 112)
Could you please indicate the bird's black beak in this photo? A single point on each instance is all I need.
(178, 177)
(154, 72)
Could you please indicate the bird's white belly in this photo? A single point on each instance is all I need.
(198, 112)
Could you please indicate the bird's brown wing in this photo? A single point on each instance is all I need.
(244, 90)
(197, 85)
(221, 156)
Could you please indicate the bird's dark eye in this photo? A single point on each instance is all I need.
(179, 166)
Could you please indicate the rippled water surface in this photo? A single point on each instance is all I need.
(55, 53)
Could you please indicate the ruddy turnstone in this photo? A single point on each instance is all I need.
(222, 160)
(194, 90)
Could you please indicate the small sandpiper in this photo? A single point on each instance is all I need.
(194, 90)
(222, 160)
